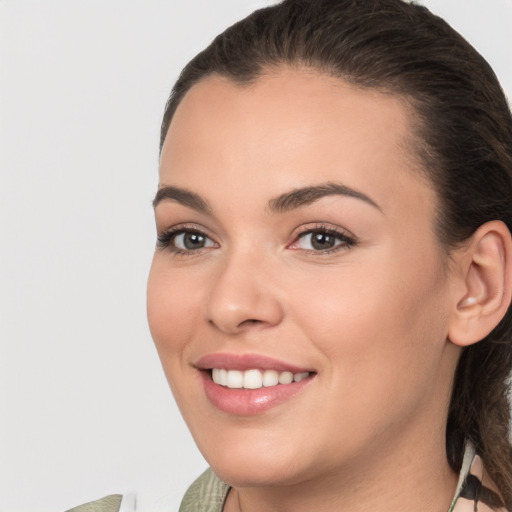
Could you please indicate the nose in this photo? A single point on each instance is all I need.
(243, 296)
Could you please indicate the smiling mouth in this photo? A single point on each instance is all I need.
(254, 378)
(251, 384)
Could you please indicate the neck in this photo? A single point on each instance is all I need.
(397, 479)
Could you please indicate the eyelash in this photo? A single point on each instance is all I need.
(347, 240)
(166, 240)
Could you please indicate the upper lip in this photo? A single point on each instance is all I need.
(244, 362)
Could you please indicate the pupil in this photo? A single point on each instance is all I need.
(322, 241)
(193, 241)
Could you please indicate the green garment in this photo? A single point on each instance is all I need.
(206, 494)
(107, 504)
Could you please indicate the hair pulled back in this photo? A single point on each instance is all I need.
(463, 139)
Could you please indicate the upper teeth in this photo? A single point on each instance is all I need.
(254, 379)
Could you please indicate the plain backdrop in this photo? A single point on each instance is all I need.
(84, 408)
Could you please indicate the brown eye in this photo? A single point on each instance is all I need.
(190, 241)
(185, 241)
(321, 240)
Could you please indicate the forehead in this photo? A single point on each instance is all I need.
(292, 126)
(299, 96)
(294, 91)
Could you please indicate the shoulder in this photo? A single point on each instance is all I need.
(110, 503)
(206, 494)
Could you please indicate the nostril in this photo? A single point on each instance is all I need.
(250, 321)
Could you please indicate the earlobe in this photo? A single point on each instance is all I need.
(487, 275)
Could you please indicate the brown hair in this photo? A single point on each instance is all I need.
(464, 139)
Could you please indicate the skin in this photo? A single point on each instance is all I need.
(367, 433)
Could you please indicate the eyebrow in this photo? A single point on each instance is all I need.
(307, 195)
(182, 196)
(285, 202)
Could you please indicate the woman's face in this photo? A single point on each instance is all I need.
(296, 239)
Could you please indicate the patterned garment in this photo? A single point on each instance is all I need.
(476, 492)
(112, 503)
(107, 504)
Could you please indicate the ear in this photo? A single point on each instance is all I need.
(486, 291)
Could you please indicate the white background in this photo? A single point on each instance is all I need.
(84, 407)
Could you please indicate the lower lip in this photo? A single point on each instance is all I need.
(249, 402)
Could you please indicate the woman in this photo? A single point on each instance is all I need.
(330, 292)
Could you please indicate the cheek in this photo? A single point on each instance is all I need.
(382, 325)
(383, 355)
(172, 308)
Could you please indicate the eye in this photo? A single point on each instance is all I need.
(190, 241)
(322, 240)
(181, 240)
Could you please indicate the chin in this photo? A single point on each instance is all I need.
(256, 463)
(244, 473)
